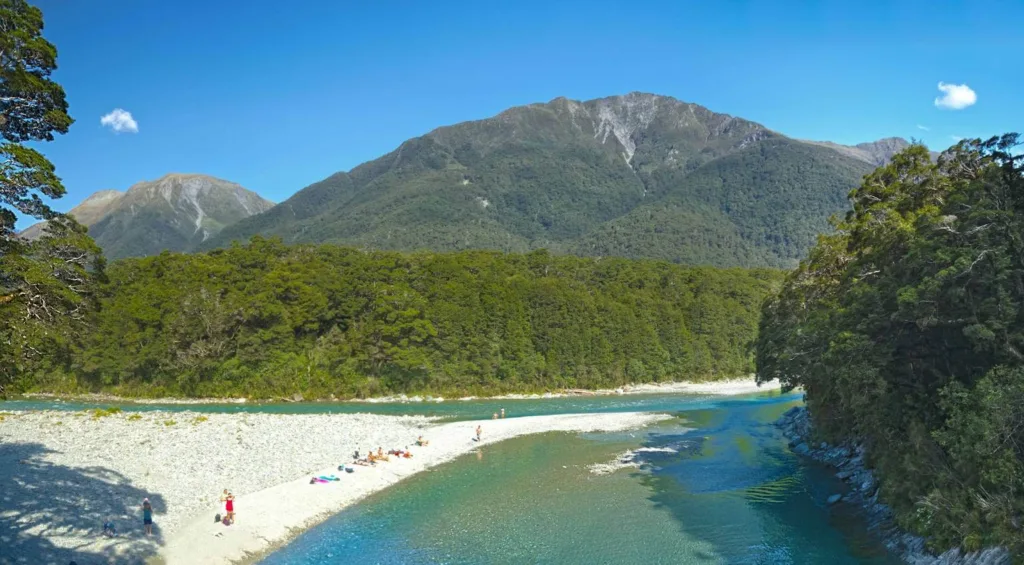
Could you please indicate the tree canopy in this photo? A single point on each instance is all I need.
(905, 328)
(268, 320)
(32, 108)
(45, 286)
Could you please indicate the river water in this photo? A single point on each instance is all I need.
(725, 489)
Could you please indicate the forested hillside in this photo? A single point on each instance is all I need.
(640, 176)
(906, 329)
(269, 320)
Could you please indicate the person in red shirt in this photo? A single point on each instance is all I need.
(229, 506)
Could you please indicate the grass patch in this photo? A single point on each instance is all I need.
(199, 419)
(104, 412)
(134, 417)
(170, 423)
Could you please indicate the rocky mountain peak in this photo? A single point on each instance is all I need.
(173, 212)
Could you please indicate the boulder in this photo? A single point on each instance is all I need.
(834, 498)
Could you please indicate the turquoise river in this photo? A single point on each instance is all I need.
(727, 490)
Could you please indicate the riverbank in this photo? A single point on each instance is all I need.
(849, 461)
(740, 385)
(68, 473)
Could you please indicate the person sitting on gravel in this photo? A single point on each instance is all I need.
(407, 453)
(109, 530)
(422, 442)
(380, 454)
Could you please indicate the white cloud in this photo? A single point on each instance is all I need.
(955, 96)
(956, 138)
(120, 121)
(923, 128)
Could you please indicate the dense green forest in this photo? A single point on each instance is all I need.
(269, 320)
(905, 328)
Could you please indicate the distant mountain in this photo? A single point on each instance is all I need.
(88, 212)
(876, 153)
(638, 175)
(175, 212)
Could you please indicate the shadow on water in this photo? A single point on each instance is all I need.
(733, 482)
(41, 502)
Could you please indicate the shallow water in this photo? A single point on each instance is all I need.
(450, 409)
(732, 492)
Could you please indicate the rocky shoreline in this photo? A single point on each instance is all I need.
(738, 385)
(848, 460)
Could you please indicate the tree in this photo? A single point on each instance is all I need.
(40, 283)
(906, 329)
(32, 108)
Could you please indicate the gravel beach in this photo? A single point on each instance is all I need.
(66, 473)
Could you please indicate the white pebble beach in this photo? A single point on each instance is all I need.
(65, 473)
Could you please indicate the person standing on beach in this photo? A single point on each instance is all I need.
(479, 431)
(229, 506)
(147, 516)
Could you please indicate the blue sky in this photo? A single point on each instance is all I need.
(276, 96)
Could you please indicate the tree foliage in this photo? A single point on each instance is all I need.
(906, 329)
(32, 108)
(46, 286)
(268, 320)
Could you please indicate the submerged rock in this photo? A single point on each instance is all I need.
(835, 498)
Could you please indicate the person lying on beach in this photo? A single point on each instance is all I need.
(407, 453)
(422, 442)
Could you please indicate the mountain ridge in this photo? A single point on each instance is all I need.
(564, 174)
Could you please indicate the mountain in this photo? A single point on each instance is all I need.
(876, 153)
(638, 175)
(88, 212)
(175, 212)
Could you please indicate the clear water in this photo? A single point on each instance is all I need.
(732, 493)
(451, 409)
